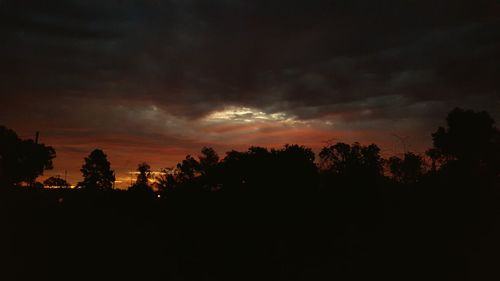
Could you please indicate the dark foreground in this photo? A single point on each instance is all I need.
(346, 234)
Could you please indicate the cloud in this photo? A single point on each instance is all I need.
(192, 58)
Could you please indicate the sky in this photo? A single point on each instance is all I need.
(156, 80)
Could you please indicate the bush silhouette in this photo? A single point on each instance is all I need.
(56, 182)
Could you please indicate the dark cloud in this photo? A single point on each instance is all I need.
(192, 57)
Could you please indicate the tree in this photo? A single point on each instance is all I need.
(290, 168)
(22, 161)
(166, 180)
(249, 169)
(296, 153)
(208, 160)
(294, 166)
(97, 173)
(188, 169)
(143, 176)
(353, 161)
(469, 139)
(235, 168)
(406, 170)
(191, 172)
(56, 182)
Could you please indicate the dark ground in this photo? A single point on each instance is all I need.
(389, 234)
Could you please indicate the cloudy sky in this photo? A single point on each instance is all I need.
(156, 80)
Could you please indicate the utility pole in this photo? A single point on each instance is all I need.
(32, 181)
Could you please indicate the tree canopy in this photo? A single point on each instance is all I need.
(408, 169)
(469, 139)
(22, 161)
(96, 171)
(354, 161)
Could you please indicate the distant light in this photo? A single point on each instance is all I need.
(158, 196)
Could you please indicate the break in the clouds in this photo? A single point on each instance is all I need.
(142, 76)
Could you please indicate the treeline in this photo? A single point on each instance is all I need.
(469, 145)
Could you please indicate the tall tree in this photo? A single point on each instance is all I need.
(469, 139)
(22, 161)
(96, 171)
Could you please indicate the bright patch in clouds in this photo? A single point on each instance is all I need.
(241, 127)
(248, 115)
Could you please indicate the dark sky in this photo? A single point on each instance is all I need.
(155, 80)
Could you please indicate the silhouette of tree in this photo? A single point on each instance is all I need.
(250, 169)
(406, 170)
(185, 173)
(234, 169)
(291, 167)
(209, 169)
(56, 182)
(142, 181)
(97, 173)
(208, 160)
(296, 153)
(188, 169)
(355, 161)
(22, 160)
(294, 166)
(144, 174)
(470, 138)
(203, 172)
(166, 180)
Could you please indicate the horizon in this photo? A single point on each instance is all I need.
(68, 166)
